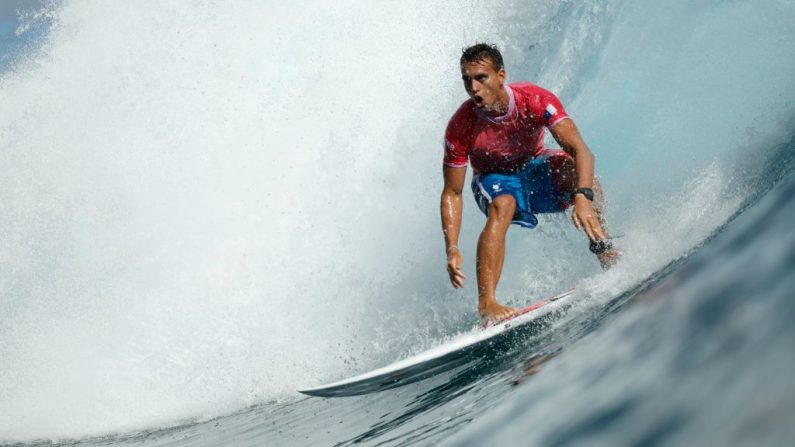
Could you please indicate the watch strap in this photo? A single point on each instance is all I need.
(587, 192)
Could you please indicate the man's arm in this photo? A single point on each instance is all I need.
(583, 215)
(452, 206)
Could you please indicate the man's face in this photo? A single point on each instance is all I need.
(483, 83)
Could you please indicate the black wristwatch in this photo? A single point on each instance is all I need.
(587, 192)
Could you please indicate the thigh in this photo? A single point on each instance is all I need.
(488, 187)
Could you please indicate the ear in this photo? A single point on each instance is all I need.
(501, 76)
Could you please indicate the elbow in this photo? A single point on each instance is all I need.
(581, 152)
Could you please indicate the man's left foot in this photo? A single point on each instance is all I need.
(494, 313)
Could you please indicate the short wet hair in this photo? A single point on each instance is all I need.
(480, 52)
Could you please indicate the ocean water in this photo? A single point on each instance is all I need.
(205, 206)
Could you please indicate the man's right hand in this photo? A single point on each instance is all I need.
(454, 261)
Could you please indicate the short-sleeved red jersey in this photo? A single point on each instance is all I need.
(504, 143)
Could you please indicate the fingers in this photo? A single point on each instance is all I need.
(582, 223)
(598, 231)
(576, 220)
(593, 228)
(586, 219)
(596, 234)
(457, 276)
(588, 227)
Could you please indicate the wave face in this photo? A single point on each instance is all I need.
(207, 206)
(701, 358)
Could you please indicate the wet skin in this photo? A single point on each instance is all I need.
(485, 86)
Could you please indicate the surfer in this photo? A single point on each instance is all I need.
(500, 131)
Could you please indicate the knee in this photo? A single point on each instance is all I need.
(502, 207)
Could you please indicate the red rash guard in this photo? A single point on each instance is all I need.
(504, 143)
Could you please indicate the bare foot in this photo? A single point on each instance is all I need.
(609, 258)
(493, 313)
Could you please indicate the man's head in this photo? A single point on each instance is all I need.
(482, 52)
(483, 75)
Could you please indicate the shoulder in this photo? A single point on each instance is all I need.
(529, 90)
(463, 118)
(539, 102)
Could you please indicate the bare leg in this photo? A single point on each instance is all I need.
(490, 258)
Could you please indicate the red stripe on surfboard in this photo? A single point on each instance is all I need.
(529, 308)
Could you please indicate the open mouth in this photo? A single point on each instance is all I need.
(478, 99)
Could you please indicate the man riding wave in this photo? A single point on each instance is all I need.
(500, 132)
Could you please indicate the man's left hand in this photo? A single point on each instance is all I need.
(586, 219)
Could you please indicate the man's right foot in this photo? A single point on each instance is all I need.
(493, 313)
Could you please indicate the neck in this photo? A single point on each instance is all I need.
(500, 106)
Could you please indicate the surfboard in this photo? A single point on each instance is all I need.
(456, 352)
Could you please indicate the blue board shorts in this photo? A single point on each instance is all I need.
(539, 186)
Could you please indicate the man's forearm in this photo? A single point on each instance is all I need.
(569, 138)
(451, 209)
(584, 166)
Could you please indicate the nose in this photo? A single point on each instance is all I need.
(473, 86)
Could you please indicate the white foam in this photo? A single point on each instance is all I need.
(205, 206)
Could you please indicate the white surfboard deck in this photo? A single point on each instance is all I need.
(435, 360)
